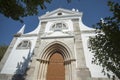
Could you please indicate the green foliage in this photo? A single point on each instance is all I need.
(3, 49)
(106, 43)
(17, 9)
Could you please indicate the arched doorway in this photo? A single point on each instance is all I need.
(56, 69)
(51, 54)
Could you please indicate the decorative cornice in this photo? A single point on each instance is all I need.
(69, 61)
(61, 17)
(88, 31)
(60, 10)
(65, 62)
(29, 35)
(53, 37)
(42, 60)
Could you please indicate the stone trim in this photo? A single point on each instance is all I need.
(29, 35)
(69, 61)
(88, 31)
(70, 16)
(57, 37)
(42, 60)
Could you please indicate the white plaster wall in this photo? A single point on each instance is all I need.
(94, 69)
(17, 55)
(83, 27)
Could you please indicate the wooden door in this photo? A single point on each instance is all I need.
(56, 69)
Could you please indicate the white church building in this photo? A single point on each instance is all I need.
(56, 50)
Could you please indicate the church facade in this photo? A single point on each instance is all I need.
(56, 50)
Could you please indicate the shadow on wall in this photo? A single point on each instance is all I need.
(22, 68)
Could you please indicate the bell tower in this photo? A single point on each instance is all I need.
(58, 54)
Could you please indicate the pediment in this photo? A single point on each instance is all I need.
(61, 12)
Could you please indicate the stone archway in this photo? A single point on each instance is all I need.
(68, 60)
(56, 68)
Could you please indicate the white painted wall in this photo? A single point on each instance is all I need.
(17, 55)
(94, 69)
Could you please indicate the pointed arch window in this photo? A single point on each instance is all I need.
(26, 44)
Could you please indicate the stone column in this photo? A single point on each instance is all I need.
(82, 72)
(35, 63)
(42, 29)
(39, 71)
(73, 70)
(80, 58)
(68, 70)
(44, 70)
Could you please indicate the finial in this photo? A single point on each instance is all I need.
(21, 31)
(77, 10)
(73, 9)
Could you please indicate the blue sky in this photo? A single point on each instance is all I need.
(92, 10)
